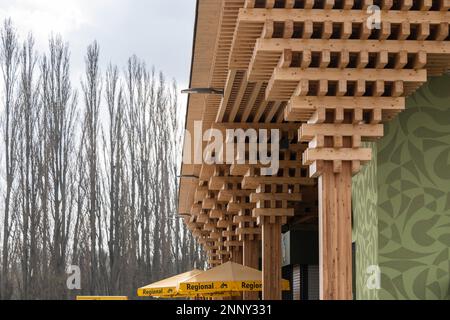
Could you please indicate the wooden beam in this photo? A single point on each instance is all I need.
(237, 102)
(243, 219)
(341, 16)
(242, 169)
(216, 183)
(260, 111)
(352, 45)
(236, 207)
(226, 97)
(267, 212)
(273, 111)
(271, 256)
(335, 233)
(254, 182)
(251, 102)
(255, 197)
(257, 126)
(314, 103)
(309, 131)
(317, 74)
(334, 154)
(251, 259)
(248, 231)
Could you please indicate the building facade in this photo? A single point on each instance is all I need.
(348, 98)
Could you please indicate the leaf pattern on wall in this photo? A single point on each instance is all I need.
(365, 232)
(413, 174)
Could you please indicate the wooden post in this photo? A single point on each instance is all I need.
(251, 260)
(271, 256)
(237, 255)
(335, 229)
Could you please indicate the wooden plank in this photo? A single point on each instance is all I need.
(317, 74)
(216, 183)
(196, 209)
(257, 126)
(260, 111)
(444, 5)
(249, 4)
(273, 111)
(313, 103)
(237, 101)
(202, 218)
(236, 207)
(206, 171)
(227, 195)
(333, 154)
(200, 193)
(242, 169)
(246, 231)
(251, 102)
(223, 224)
(217, 214)
(228, 233)
(266, 212)
(341, 16)
(232, 243)
(243, 219)
(254, 182)
(255, 197)
(209, 203)
(309, 131)
(227, 94)
(352, 45)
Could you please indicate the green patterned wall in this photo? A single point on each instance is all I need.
(413, 196)
(365, 222)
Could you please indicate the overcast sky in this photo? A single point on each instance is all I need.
(158, 31)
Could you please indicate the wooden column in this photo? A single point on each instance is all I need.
(271, 256)
(335, 229)
(237, 256)
(251, 259)
(274, 196)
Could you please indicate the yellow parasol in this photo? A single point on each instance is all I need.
(228, 277)
(167, 287)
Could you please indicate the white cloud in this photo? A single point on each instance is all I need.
(46, 16)
(152, 29)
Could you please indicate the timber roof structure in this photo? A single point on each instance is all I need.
(315, 70)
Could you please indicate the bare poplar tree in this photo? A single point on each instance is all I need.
(92, 95)
(59, 107)
(29, 148)
(114, 162)
(9, 60)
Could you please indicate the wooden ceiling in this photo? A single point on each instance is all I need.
(316, 65)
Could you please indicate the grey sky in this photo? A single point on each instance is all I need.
(158, 31)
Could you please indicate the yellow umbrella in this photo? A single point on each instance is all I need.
(228, 277)
(167, 287)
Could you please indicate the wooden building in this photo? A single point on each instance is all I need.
(328, 75)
